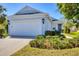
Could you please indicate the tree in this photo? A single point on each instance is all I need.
(3, 22)
(70, 12)
(68, 25)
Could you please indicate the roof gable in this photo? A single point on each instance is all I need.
(28, 10)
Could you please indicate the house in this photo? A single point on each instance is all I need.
(58, 24)
(30, 22)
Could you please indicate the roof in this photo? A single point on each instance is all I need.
(54, 19)
(28, 10)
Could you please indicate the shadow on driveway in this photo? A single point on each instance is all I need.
(23, 37)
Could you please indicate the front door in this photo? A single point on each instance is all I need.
(59, 27)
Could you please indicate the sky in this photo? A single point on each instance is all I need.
(50, 8)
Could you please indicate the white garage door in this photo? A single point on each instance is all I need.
(26, 28)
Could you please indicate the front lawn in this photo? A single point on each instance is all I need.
(29, 51)
(72, 34)
(56, 45)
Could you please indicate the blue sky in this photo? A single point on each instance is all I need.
(50, 8)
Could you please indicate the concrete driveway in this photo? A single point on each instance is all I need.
(10, 45)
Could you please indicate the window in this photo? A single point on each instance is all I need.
(43, 20)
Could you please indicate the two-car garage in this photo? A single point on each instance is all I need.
(24, 27)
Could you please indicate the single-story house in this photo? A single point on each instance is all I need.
(31, 22)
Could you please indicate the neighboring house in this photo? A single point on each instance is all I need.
(30, 22)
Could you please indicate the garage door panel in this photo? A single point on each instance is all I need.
(26, 28)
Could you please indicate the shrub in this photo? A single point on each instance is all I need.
(33, 43)
(57, 32)
(61, 36)
(40, 37)
(49, 33)
(54, 42)
(3, 33)
(73, 42)
(77, 38)
(57, 43)
(52, 33)
(46, 44)
(62, 45)
(52, 37)
(65, 44)
(37, 43)
(77, 42)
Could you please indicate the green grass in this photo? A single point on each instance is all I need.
(29, 51)
(72, 34)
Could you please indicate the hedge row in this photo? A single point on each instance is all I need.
(54, 42)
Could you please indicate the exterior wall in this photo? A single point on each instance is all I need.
(33, 16)
(28, 25)
(55, 23)
(47, 26)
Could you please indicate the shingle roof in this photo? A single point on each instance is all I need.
(28, 10)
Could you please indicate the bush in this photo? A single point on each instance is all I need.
(57, 32)
(40, 37)
(65, 44)
(33, 43)
(61, 36)
(54, 42)
(77, 42)
(57, 43)
(52, 37)
(52, 33)
(46, 44)
(73, 42)
(50, 42)
(3, 33)
(49, 33)
(37, 43)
